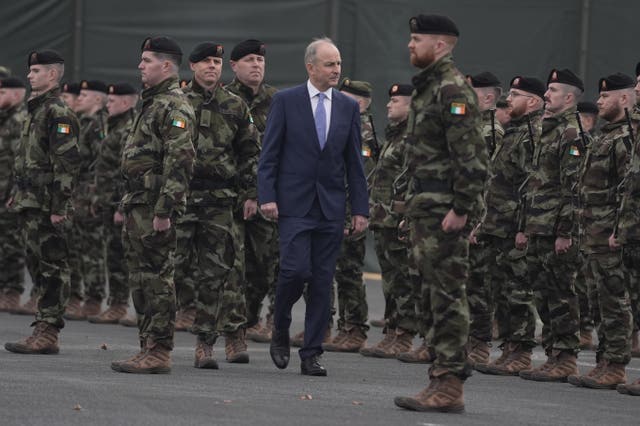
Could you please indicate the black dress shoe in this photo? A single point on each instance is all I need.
(279, 349)
(311, 367)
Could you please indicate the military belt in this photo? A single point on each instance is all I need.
(431, 185)
(146, 182)
(209, 183)
(38, 180)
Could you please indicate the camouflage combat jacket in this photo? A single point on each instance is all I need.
(552, 189)
(258, 103)
(93, 130)
(510, 166)
(628, 225)
(46, 166)
(604, 169)
(446, 157)
(11, 122)
(227, 148)
(367, 137)
(158, 156)
(387, 170)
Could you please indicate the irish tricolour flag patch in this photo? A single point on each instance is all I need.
(64, 129)
(458, 108)
(179, 123)
(574, 151)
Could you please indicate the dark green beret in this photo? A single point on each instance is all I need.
(565, 76)
(73, 88)
(122, 89)
(44, 57)
(484, 79)
(95, 85)
(588, 107)
(248, 47)
(204, 50)
(615, 81)
(400, 89)
(433, 24)
(528, 84)
(12, 83)
(355, 87)
(162, 44)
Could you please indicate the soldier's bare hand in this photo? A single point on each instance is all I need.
(563, 245)
(9, 203)
(118, 218)
(521, 241)
(270, 210)
(161, 224)
(453, 222)
(473, 236)
(250, 209)
(57, 219)
(359, 224)
(613, 242)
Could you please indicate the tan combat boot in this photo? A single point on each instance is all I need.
(586, 339)
(74, 311)
(265, 333)
(630, 389)
(612, 375)
(478, 352)
(91, 308)
(383, 344)
(548, 364)
(444, 393)
(44, 340)
(403, 342)
(564, 366)
(111, 315)
(235, 347)
(115, 365)
(29, 308)
(254, 330)
(204, 356)
(635, 345)
(335, 343)
(10, 301)
(423, 354)
(128, 321)
(298, 340)
(513, 360)
(156, 359)
(354, 340)
(576, 379)
(185, 319)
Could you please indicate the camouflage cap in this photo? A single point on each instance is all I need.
(433, 24)
(4, 72)
(565, 76)
(44, 57)
(586, 107)
(73, 88)
(617, 81)
(528, 84)
(162, 44)
(484, 79)
(122, 89)
(204, 50)
(399, 89)
(95, 85)
(12, 83)
(355, 87)
(248, 47)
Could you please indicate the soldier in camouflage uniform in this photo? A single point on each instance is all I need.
(634, 278)
(260, 235)
(45, 172)
(224, 176)
(447, 160)
(157, 164)
(121, 102)
(602, 174)
(12, 117)
(488, 90)
(550, 230)
(399, 312)
(510, 166)
(87, 250)
(69, 94)
(352, 296)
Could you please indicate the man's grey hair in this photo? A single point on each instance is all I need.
(312, 49)
(173, 59)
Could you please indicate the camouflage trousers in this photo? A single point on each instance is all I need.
(185, 276)
(87, 258)
(631, 256)
(261, 264)
(150, 264)
(11, 253)
(479, 293)
(353, 309)
(442, 260)
(116, 265)
(397, 286)
(215, 249)
(512, 291)
(588, 312)
(553, 280)
(47, 256)
(607, 274)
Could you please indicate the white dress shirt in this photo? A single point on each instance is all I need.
(313, 96)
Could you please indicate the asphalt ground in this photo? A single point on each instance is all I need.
(78, 387)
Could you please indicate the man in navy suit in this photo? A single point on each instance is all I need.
(310, 149)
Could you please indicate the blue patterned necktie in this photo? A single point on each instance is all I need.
(321, 120)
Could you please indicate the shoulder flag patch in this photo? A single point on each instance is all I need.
(64, 129)
(179, 123)
(366, 152)
(574, 151)
(458, 108)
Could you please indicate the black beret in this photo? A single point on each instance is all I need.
(248, 47)
(204, 50)
(484, 79)
(400, 89)
(73, 88)
(162, 44)
(502, 102)
(355, 87)
(565, 76)
(528, 84)
(12, 83)
(44, 57)
(433, 24)
(638, 69)
(122, 89)
(587, 107)
(96, 85)
(615, 81)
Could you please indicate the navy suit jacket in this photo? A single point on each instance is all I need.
(293, 170)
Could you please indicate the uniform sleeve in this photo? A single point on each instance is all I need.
(571, 159)
(178, 131)
(247, 149)
(64, 157)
